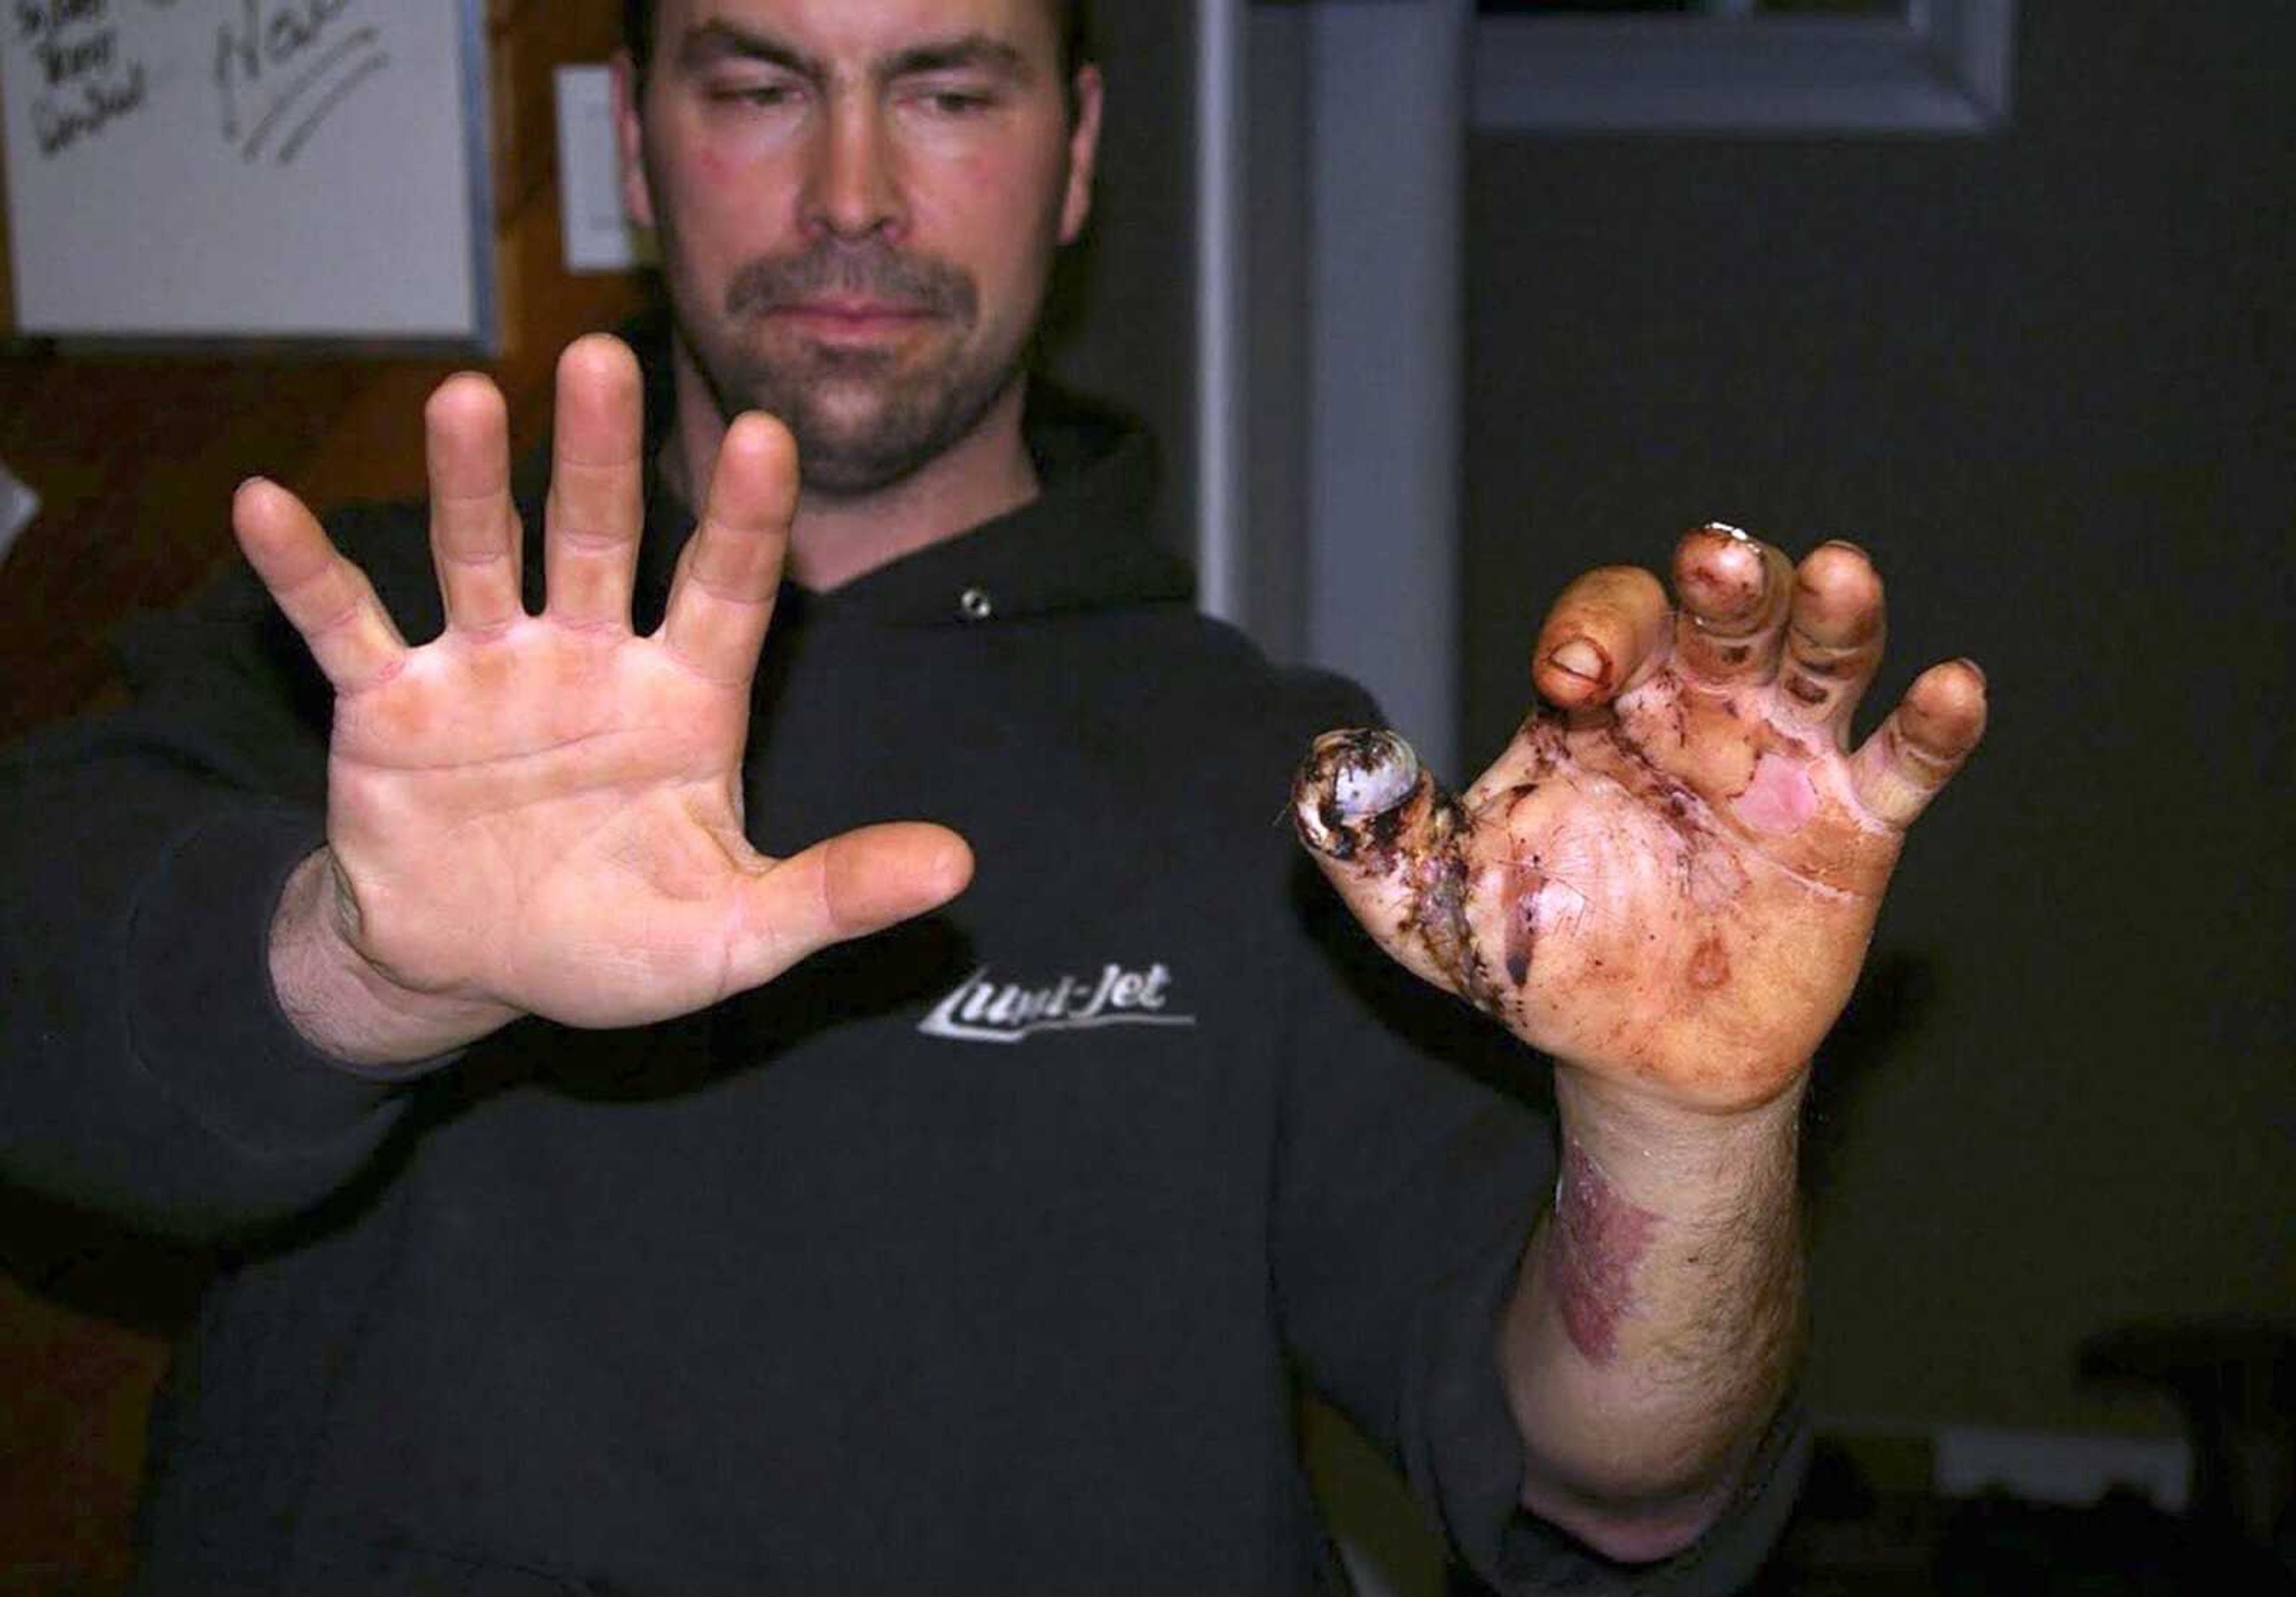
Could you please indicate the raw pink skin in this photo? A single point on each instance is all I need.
(1781, 799)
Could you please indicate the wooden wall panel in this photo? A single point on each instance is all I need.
(134, 456)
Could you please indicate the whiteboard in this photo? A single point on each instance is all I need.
(236, 168)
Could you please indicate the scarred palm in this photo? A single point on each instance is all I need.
(541, 814)
(1669, 877)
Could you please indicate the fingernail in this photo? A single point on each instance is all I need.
(1579, 657)
(1977, 669)
(1856, 548)
(1348, 779)
(1379, 773)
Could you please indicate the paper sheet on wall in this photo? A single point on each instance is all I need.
(599, 234)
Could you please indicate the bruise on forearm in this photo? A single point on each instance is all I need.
(1653, 1335)
(1718, 1293)
(1596, 1240)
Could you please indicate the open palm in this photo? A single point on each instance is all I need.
(541, 814)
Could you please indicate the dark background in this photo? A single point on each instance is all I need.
(2044, 377)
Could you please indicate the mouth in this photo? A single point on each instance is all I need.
(852, 320)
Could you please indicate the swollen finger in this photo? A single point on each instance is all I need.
(1734, 591)
(1389, 840)
(722, 599)
(1834, 638)
(1915, 753)
(474, 531)
(847, 887)
(1606, 632)
(327, 598)
(597, 507)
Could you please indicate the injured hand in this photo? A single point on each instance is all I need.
(1669, 876)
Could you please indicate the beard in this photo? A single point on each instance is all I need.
(865, 416)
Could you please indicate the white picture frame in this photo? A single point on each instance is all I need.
(212, 173)
(1942, 68)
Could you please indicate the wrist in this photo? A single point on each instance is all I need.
(345, 1006)
(1655, 1151)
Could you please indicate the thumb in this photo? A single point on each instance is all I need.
(842, 887)
(1394, 844)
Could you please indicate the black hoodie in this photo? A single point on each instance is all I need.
(987, 1255)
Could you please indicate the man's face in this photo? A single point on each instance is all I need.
(858, 202)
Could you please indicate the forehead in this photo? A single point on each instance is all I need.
(861, 29)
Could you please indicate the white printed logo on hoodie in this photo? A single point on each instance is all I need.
(983, 1010)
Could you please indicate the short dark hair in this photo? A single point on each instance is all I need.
(1074, 16)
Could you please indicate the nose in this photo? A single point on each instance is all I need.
(853, 190)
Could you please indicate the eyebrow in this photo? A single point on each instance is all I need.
(976, 51)
(706, 43)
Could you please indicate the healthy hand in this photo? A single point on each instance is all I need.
(542, 814)
(1669, 878)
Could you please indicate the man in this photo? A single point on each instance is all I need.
(604, 1227)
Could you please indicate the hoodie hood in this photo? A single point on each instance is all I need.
(1084, 543)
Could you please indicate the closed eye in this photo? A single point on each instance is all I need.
(955, 101)
(764, 95)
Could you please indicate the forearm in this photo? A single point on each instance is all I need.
(1656, 1319)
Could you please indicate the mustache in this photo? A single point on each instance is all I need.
(873, 270)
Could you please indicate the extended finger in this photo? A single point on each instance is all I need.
(596, 506)
(474, 531)
(327, 598)
(722, 598)
(1606, 632)
(1834, 638)
(1735, 590)
(1915, 753)
(846, 887)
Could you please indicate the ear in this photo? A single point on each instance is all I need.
(630, 142)
(1084, 153)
